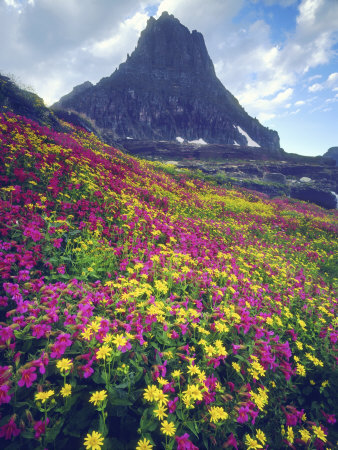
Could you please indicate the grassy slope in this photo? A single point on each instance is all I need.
(128, 272)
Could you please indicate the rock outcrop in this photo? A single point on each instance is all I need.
(332, 153)
(167, 88)
(25, 103)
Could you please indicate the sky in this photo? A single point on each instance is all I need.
(279, 58)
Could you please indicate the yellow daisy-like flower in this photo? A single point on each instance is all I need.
(162, 381)
(66, 391)
(160, 412)
(168, 428)
(176, 374)
(119, 340)
(319, 433)
(64, 365)
(305, 435)
(252, 444)
(236, 366)
(261, 436)
(290, 435)
(98, 397)
(217, 413)
(161, 397)
(144, 444)
(193, 370)
(150, 392)
(93, 441)
(103, 352)
(87, 334)
(43, 396)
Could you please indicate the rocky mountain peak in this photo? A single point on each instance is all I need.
(166, 45)
(167, 89)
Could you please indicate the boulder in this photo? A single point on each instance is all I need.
(305, 180)
(274, 177)
(320, 197)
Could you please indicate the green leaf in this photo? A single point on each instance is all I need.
(192, 427)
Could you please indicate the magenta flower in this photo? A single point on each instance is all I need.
(183, 443)
(40, 428)
(9, 429)
(5, 397)
(28, 376)
(243, 414)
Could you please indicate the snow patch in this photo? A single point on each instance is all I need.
(129, 137)
(180, 140)
(251, 142)
(236, 143)
(199, 141)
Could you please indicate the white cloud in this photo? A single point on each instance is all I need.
(265, 117)
(315, 87)
(300, 103)
(332, 79)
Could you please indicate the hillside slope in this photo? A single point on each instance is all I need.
(144, 307)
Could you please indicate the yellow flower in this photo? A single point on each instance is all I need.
(162, 381)
(161, 397)
(66, 391)
(261, 436)
(290, 435)
(144, 444)
(43, 396)
(160, 412)
(236, 366)
(176, 374)
(98, 397)
(319, 433)
(86, 333)
(305, 435)
(103, 352)
(252, 444)
(64, 365)
(168, 428)
(119, 340)
(301, 370)
(217, 413)
(93, 441)
(150, 392)
(193, 370)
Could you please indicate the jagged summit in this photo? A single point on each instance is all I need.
(165, 44)
(167, 88)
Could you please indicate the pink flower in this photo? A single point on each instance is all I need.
(243, 414)
(183, 443)
(231, 441)
(40, 428)
(57, 242)
(9, 429)
(172, 405)
(28, 376)
(61, 269)
(4, 395)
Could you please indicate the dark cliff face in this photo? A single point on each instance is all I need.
(168, 88)
(332, 153)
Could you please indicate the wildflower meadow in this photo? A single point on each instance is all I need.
(144, 307)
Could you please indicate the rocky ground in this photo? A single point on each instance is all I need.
(305, 178)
